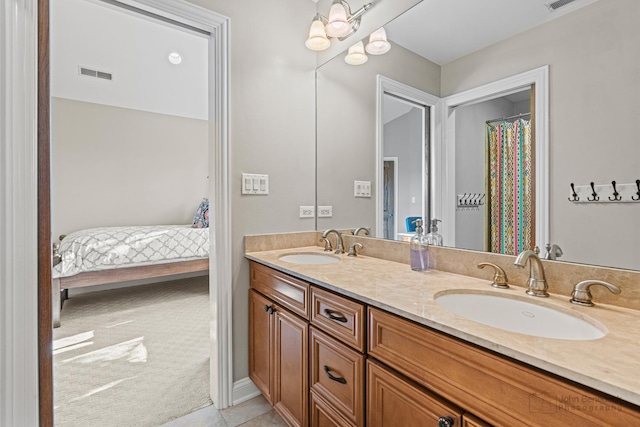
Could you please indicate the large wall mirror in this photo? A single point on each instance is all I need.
(590, 49)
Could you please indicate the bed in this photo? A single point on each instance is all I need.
(105, 255)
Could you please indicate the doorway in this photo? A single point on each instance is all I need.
(406, 129)
(38, 399)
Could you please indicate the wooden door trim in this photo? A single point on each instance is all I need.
(45, 333)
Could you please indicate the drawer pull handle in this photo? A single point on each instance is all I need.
(334, 317)
(331, 377)
(445, 422)
(269, 309)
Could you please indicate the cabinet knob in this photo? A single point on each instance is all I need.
(269, 309)
(445, 422)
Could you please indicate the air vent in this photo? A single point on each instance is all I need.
(95, 73)
(558, 4)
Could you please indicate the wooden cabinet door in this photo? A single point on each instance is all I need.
(260, 348)
(395, 401)
(291, 367)
(323, 415)
(469, 420)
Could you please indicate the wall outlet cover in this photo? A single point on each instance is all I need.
(307, 211)
(325, 211)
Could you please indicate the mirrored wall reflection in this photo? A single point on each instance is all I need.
(591, 132)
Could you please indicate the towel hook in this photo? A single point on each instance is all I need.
(616, 195)
(638, 192)
(574, 196)
(594, 194)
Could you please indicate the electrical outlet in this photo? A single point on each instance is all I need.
(325, 211)
(307, 211)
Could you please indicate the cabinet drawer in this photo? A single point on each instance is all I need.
(323, 415)
(339, 316)
(485, 383)
(289, 292)
(337, 375)
(394, 401)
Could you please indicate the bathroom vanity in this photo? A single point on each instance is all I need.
(363, 342)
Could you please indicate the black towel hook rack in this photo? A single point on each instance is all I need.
(593, 194)
(616, 195)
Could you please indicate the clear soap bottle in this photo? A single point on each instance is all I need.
(434, 238)
(419, 252)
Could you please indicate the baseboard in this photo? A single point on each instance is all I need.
(244, 390)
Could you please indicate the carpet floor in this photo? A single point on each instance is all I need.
(135, 356)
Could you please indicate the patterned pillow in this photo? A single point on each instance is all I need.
(201, 220)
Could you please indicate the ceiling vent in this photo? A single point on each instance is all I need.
(558, 4)
(95, 73)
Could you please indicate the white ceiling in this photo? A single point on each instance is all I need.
(96, 35)
(444, 30)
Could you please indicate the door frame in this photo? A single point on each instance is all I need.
(445, 168)
(26, 381)
(401, 90)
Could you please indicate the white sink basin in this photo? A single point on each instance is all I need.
(310, 258)
(521, 316)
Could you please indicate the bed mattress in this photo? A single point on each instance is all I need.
(108, 248)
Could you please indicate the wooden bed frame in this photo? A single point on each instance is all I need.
(120, 275)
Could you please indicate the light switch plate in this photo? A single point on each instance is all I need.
(325, 211)
(307, 211)
(253, 183)
(362, 188)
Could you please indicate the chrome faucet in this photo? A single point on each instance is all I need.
(537, 284)
(553, 252)
(339, 243)
(359, 229)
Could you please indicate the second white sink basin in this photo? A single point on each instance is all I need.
(310, 258)
(521, 316)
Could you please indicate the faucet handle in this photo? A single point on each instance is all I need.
(581, 294)
(327, 244)
(352, 249)
(499, 278)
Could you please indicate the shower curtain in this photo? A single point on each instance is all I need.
(510, 195)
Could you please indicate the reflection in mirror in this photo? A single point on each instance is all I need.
(587, 47)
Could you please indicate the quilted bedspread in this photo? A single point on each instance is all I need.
(116, 247)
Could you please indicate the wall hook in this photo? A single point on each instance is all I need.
(638, 192)
(574, 197)
(594, 194)
(616, 195)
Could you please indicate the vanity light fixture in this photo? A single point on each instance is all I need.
(340, 24)
(175, 58)
(378, 43)
(356, 55)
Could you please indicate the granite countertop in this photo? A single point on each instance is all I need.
(608, 364)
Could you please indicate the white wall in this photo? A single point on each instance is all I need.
(593, 70)
(116, 166)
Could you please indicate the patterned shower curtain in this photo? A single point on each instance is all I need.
(510, 195)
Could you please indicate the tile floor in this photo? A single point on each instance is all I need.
(253, 413)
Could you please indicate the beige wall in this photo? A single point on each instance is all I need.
(346, 99)
(272, 131)
(115, 166)
(594, 64)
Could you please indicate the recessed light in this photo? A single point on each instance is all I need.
(175, 58)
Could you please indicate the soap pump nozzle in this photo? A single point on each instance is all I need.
(434, 225)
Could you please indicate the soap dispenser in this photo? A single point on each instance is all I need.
(434, 238)
(419, 252)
